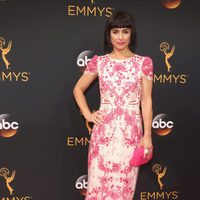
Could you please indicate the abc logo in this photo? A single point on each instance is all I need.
(83, 59)
(7, 125)
(81, 184)
(161, 125)
(7, 128)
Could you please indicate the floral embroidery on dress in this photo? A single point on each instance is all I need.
(91, 66)
(147, 68)
(110, 175)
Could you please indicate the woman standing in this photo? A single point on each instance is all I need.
(125, 82)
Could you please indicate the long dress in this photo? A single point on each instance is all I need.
(112, 143)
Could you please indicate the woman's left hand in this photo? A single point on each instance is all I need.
(146, 142)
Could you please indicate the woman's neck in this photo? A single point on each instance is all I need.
(121, 53)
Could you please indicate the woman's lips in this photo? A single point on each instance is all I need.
(120, 43)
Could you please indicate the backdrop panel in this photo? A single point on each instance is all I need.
(44, 139)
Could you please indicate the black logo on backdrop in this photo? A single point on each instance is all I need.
(7, 190)
(164, 47)
(83, 58)
(89, 9)
(160, 173)
(169, 77)
(162, 125)
(157, 169)
(5, 50)
(81, 185)
(171, 4)
(5, 173)
(8, 128)
(7, 74)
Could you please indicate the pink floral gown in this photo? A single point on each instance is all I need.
(110, 175)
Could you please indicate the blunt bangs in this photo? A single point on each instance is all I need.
(119, 19)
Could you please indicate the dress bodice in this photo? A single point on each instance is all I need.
(120, 80)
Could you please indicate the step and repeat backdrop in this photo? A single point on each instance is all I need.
(44, 48)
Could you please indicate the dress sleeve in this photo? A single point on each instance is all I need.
(91, 66)
(147, 68)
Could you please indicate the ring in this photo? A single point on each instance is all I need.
(146, 151)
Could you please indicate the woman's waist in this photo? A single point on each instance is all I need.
(132, 104)
(121, 108)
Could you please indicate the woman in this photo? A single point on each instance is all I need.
(125, 82)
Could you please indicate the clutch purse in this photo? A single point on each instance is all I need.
(138, 157)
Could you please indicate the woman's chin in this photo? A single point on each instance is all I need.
(120, 48)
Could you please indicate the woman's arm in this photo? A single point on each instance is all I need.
(147, 113)
(146, 105)
(78, 92)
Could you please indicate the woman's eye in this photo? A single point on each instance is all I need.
(124, 31)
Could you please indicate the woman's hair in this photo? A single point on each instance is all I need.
(119, 19)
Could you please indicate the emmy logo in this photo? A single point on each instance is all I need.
(157, 169)
(4, 172)
(5, 50)
(164, 47)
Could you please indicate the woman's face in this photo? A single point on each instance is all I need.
(120, 38)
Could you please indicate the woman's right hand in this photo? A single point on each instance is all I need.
(95, 117)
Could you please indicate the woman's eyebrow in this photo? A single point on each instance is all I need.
(120, 28)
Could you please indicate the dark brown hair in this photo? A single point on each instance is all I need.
(120, 19)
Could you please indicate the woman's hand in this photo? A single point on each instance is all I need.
(95, 117)
(146, 142)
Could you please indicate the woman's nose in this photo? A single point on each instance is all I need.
(120, 35)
